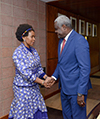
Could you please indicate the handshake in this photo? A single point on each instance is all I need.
(48, 82)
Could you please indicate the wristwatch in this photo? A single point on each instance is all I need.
(79, 94)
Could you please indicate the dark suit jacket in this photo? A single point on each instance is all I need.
(73, 68)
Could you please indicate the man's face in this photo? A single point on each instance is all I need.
(60, 31)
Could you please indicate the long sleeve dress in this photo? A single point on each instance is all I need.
(28, 102)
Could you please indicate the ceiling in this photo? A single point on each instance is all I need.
(48, 0)
(86, 8)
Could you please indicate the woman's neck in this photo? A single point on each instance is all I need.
(26, 45)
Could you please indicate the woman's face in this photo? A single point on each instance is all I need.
(30, 39)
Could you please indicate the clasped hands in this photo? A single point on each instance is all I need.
(49, 82)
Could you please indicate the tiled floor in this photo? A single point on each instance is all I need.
(55, 102)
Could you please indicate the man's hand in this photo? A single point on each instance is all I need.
(49, 82)
(52, 81)
(80, 101)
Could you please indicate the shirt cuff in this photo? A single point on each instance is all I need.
(54, 77)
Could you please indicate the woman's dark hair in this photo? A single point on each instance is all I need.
(21, 31)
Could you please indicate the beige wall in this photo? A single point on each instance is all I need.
(12, 13)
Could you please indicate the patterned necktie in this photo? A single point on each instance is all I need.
(63, 45)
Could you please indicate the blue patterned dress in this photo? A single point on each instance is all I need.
(28, 102)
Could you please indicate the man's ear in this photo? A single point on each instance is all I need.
(64, 26)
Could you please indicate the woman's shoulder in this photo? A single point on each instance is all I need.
(18, 50)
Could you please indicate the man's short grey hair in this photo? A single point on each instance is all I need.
(63, 20)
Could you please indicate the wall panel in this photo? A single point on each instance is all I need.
(52, 13)
(52, 63)
(52, 45)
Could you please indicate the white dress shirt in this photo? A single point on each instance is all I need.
(66, 38)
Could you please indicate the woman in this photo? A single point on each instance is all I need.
(28, 102)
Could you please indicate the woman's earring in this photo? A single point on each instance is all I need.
(24, 39)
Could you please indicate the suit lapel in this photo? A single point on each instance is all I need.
(70, 38)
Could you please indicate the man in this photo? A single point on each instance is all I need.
(73, 69)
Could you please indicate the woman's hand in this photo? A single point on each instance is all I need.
(49, 82)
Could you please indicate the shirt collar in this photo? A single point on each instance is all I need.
(68, 35)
